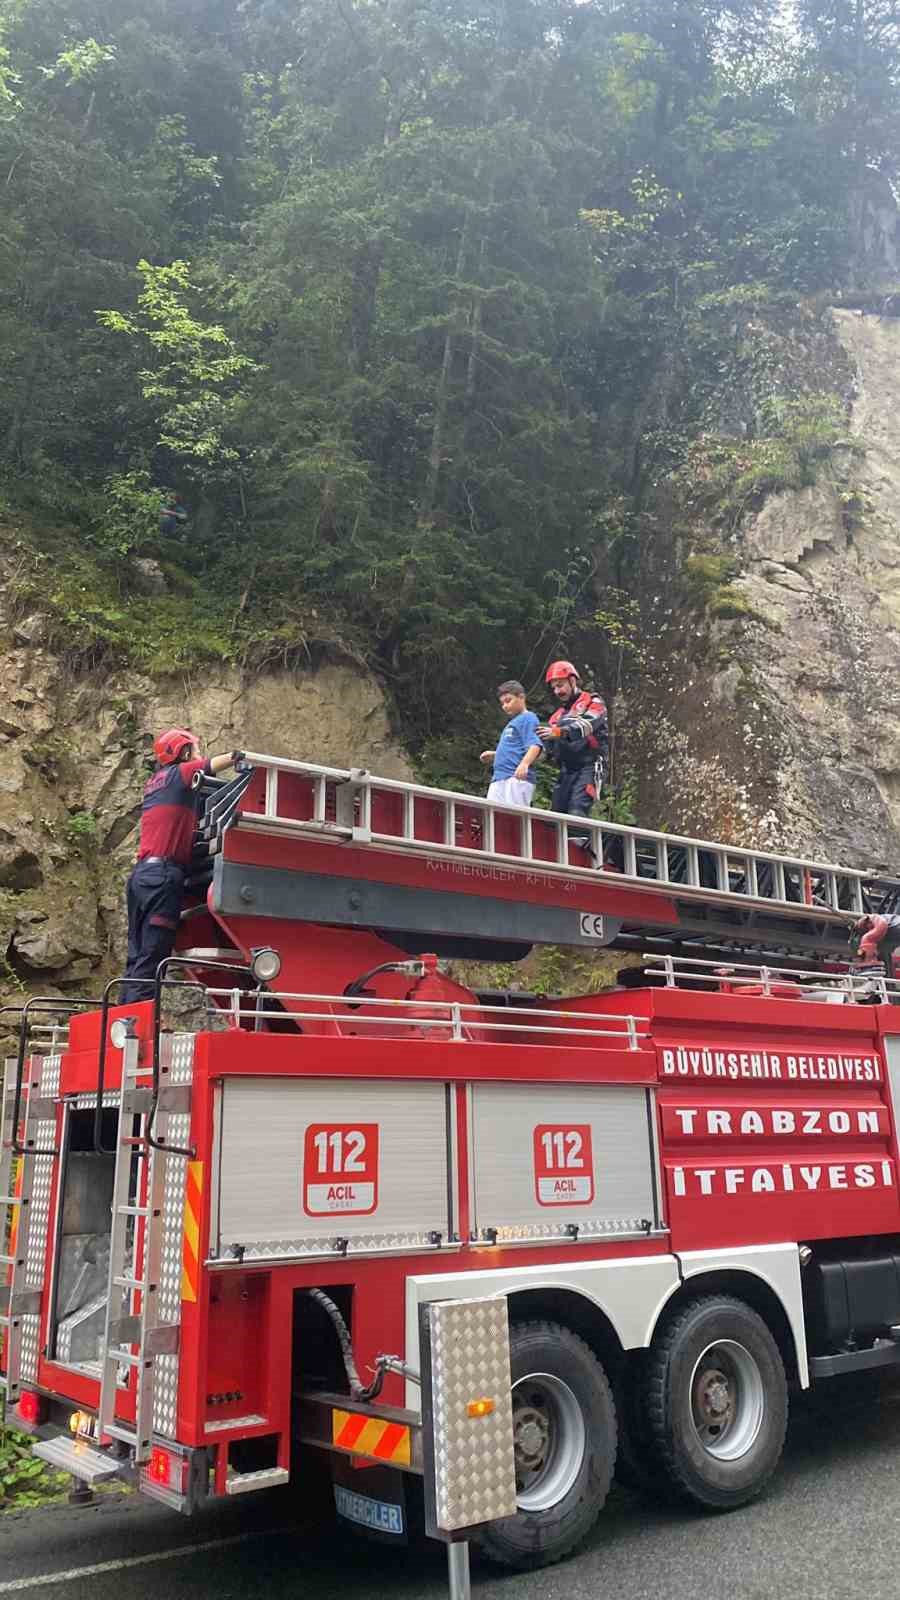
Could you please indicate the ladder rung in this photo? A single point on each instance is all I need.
(123, 1357)
(132, 1211)
(124, 1282)
(19, 1302)
(118, 1430)
(6, 1261)
(10, 1199)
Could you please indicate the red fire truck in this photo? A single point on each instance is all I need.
(351, 1214)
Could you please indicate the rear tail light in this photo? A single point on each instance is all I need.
(30, 1407)
(167, 1470)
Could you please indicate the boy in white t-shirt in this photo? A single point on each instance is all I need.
(518, 748)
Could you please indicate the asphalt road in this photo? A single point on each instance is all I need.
(829, 1527)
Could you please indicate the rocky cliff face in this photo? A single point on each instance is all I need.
(822, 574)
(72, 766)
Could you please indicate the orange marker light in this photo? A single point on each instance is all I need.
(480, 1408)
(158, 1470)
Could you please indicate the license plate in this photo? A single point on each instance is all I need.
(382, 1516)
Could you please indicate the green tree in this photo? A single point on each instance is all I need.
(851, 77)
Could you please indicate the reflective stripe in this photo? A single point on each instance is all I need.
(190, 1250)
(371, 1436)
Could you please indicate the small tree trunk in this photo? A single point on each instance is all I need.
(475, 322)
(13, 444)
(858, 189)
(442, 400)
(366, 275)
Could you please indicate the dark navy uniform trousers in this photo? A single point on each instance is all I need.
(155, 892)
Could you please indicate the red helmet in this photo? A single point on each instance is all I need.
(169, 745)
(561, 669)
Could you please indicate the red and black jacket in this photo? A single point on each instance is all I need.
(584, 732)
(169, 812)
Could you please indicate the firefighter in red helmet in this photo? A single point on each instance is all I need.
(577, 739)
(169, 811)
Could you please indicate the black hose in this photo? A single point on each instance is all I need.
(357, 985)
(359, 1390)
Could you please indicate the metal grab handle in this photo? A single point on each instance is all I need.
(161, 983)
(40, 1002)
(99, 1147)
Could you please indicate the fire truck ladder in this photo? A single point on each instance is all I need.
(22, 1107)
(135, 1334)
(694, 888)
(16, 1174)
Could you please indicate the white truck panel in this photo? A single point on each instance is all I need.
(630, 1290)
(778, 1265)
(302, 1161)
(546, 1157)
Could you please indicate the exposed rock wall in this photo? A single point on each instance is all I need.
(822, 569)
(73, 752)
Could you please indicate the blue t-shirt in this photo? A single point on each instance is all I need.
(516, 739)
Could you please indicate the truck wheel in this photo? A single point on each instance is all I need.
(564, 1424)
(716, 1402)
(638, 1466)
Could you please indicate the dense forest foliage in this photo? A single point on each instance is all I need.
(415, 303)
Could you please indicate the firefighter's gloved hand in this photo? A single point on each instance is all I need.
(546, 732)
(238, 760)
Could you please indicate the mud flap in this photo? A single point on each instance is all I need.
(372, 1501)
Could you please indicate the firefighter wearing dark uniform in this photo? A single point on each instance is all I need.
(577, 738)
(169, 813)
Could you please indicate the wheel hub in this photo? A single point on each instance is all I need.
(531, 1435)
(550, 1440)
(714, 1400)
(727, 1400)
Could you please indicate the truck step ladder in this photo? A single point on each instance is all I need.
(134, 1335)
(16, 1182)
(76, 1456)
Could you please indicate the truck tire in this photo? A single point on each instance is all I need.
(716, 1402)
(564, 1422)
(638, 1466)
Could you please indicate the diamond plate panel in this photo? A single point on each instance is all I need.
(589, 1228)
(357, 1244)
(49, 1076)
(41, 1183)
(473, 1462)
(165, 1385)
(181, 1057)
(28, 1363)
(165, 1396)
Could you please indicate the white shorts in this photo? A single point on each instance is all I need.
(512, 792)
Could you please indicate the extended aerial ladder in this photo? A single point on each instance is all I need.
(293, 843)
